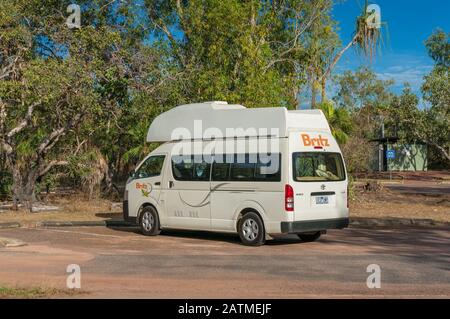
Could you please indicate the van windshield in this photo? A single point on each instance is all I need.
(318, 167)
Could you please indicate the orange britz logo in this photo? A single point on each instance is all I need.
(141, 186)
(318, 141)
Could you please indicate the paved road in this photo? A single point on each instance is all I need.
(122, 263)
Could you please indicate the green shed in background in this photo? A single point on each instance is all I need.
(408, 157)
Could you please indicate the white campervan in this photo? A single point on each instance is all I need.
(257, 172)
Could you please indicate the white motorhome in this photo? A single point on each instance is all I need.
(257, 172)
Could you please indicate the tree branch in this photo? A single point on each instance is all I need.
(8, 69)
(179, 8)
(338, 56)
(24, 123)
(53, 138)
(440, 148)
(297, 33)
(50, 165)
(49, 49)
(163, 27)
(2, 116)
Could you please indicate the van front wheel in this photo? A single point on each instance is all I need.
(309, 237)
(251, 230)
(149, 221)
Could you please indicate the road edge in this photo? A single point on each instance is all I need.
(355, 222)
(10, 225)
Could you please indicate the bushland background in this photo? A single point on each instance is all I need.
(75, 103)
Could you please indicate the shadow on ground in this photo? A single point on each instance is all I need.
(206, 235)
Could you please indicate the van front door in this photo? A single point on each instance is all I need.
(146, 184)
(187, 199)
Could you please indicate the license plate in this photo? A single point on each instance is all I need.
(322, 200)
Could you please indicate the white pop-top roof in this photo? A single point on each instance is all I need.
(220, 119)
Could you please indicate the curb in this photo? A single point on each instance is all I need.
(10, 225)
(355, 222)
(395, 222)
(107, 223)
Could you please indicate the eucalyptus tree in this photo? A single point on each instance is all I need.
(428, 122)
(436, 91)
(49, 88)
(366, 38)
(249, 52)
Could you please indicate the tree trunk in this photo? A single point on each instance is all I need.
(23, 192)
(338, 56)
(324, 89)
(16, 188)
(313, 96)
(30, 188)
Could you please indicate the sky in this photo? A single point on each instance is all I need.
(403, 55)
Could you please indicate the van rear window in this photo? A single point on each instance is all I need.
(318, 167)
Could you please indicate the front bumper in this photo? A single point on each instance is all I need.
(313, 225)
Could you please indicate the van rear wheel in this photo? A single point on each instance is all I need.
(251, 230)
(309, 237)
(149, 221)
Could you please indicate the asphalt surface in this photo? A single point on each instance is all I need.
(122, 263)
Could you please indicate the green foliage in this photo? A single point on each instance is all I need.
(431, 124)
(5, 184)
(338, 119)
(438, 46)
(362, 88)
(247, 52)
(230, 61)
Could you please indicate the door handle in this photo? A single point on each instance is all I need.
(157, 183)
(170, 184)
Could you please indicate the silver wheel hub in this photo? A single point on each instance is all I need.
(250, 229)
(147, 221)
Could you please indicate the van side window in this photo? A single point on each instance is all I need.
(268, 168)
(201, 171)
(220, 171)
(244, 169)
(151, 167)
(186, 169)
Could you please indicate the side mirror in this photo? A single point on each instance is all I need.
(131, 176)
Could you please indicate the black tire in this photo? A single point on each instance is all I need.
(309, 237)
(251, 230)
(149, 221)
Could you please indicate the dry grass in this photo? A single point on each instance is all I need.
(72, 208)
(34, 293)
(387, 204)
